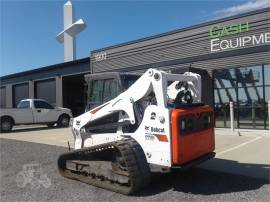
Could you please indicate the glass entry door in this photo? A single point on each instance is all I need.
(249, 89)
(225, 92)
(250, 98)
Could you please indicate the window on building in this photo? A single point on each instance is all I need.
(250, 95)
(249, 89)
(267, 91)
(225, 79)
(249, 76)
(267, 98)
(225, 92)
(267, 74)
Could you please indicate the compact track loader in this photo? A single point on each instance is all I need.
(137, 125)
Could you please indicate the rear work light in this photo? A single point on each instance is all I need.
(188, 124)
(205, 120)
(191, 123)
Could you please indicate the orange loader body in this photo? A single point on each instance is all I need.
(192, 135)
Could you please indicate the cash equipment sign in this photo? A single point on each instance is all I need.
(217, 32)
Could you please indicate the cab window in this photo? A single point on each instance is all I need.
(24, 105)
(42, 105)
(102, 91)
(128, 80)
(110, 90)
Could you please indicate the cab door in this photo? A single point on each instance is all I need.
(23, 114)
(44, 112)
(101, 91)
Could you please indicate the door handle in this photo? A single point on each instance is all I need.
(38, 110)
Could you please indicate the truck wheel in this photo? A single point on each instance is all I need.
(63, 121)
(6, 125)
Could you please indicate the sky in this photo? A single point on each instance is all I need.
(28, 28)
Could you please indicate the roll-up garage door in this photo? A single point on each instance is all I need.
(46, 90)
(20, 92)
(2, 97)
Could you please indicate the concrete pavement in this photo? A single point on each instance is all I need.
(41, 134)
(247, 154)
(244, 152)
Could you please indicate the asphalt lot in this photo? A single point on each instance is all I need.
(247, 154)
(220, 179)
(193, 185)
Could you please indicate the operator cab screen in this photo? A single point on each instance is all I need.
(128, 80)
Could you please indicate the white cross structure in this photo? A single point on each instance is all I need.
(68, 35)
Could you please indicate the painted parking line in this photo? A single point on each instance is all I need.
(238, 146)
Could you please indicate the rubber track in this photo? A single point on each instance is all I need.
(131, 151)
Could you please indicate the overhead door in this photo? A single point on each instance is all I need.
(20, 92)
(2, 97)
(46, 89)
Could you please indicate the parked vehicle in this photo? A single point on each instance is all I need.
(34, 111)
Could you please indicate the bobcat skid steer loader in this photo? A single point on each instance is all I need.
(153, 123)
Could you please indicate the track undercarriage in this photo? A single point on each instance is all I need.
(118, 166)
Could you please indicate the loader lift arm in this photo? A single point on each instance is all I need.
(152, 81)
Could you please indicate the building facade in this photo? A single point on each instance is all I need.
(61, 85)
(231, 54)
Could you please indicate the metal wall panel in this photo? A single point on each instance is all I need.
(190, 43)
(199, 41)
(63, 69)
(197, 30)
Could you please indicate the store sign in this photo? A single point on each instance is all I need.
(217, 32)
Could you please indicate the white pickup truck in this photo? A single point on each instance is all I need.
(34, 111)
